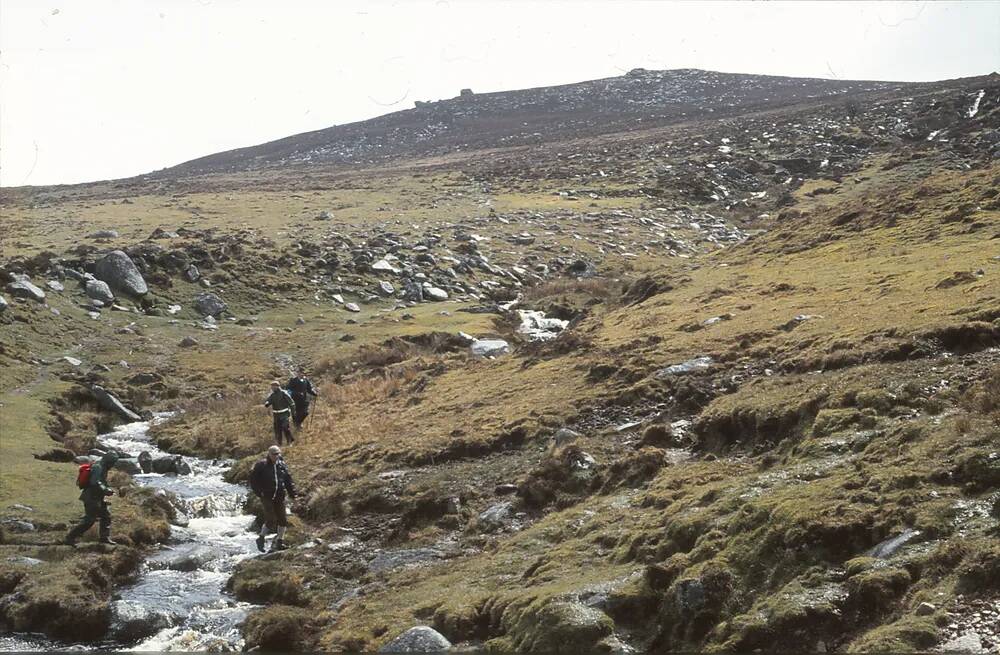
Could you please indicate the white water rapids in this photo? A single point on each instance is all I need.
(179, 602)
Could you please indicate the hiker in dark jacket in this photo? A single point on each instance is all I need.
(270, 480)
(95, 505)
(282, 407)
(301, 388)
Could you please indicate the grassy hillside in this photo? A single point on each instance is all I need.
(781, 365)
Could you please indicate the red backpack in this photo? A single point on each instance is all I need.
(83, 475)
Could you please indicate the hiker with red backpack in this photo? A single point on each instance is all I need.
(93, 479)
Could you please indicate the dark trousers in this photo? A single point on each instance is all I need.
(274, 513)
(94, 510)
(301, 412)
(281, 427)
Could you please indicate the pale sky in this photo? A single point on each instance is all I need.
(99, 89)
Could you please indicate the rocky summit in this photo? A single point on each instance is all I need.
(672, 361)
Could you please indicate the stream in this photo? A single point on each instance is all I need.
(179, 601)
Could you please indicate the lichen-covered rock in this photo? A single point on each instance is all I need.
(418, 639)
(121, 274)
(209, 304)
(557, 627)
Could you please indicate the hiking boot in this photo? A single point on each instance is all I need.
(260, 543)
(278, 544)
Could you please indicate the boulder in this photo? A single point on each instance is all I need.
(496, 517)
(192, 274)
(17, 525)
(412, 291)
(112, 404)
(690, 366)
(209, 304)
(145, 461)
(129, 465)
(21, 287)
(103, 234)
(434, 293)
(418, 639)
(121, 274)
(133, 620)
(55, 285)
(489, 347)
(171, 464)
(382, 266)
(389, 560)
(97, 290)
(385, 288)
(188, 342)
(565, 436)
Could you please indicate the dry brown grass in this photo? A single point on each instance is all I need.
(601, 288)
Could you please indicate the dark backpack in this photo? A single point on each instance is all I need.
(83, 475)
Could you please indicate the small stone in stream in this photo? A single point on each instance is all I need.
(419, 639)
(21, 287)
(505, 489)
(171, 464)
(925, 609)
(121, 274)
(98, 290)
(352, 307)
(129, 465)
(188, 342)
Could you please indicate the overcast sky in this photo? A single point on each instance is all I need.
(98, 89)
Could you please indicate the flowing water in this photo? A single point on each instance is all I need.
(179, 601)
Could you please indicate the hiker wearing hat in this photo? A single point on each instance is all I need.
(94, 483)
(301, 389)
(282, 407)
(270, 480)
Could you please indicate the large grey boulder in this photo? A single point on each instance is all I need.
(434, 293)
(418, 639)
(209, 304)
(496, 517)
(489, 347)
(133, 620)
(121, 274)
(129, 465)
(112, 404)
(171, 464)
(20, 286)
(98, 290)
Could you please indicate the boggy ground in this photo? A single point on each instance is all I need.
(839, 322)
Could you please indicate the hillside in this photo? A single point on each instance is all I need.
(767, 416)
